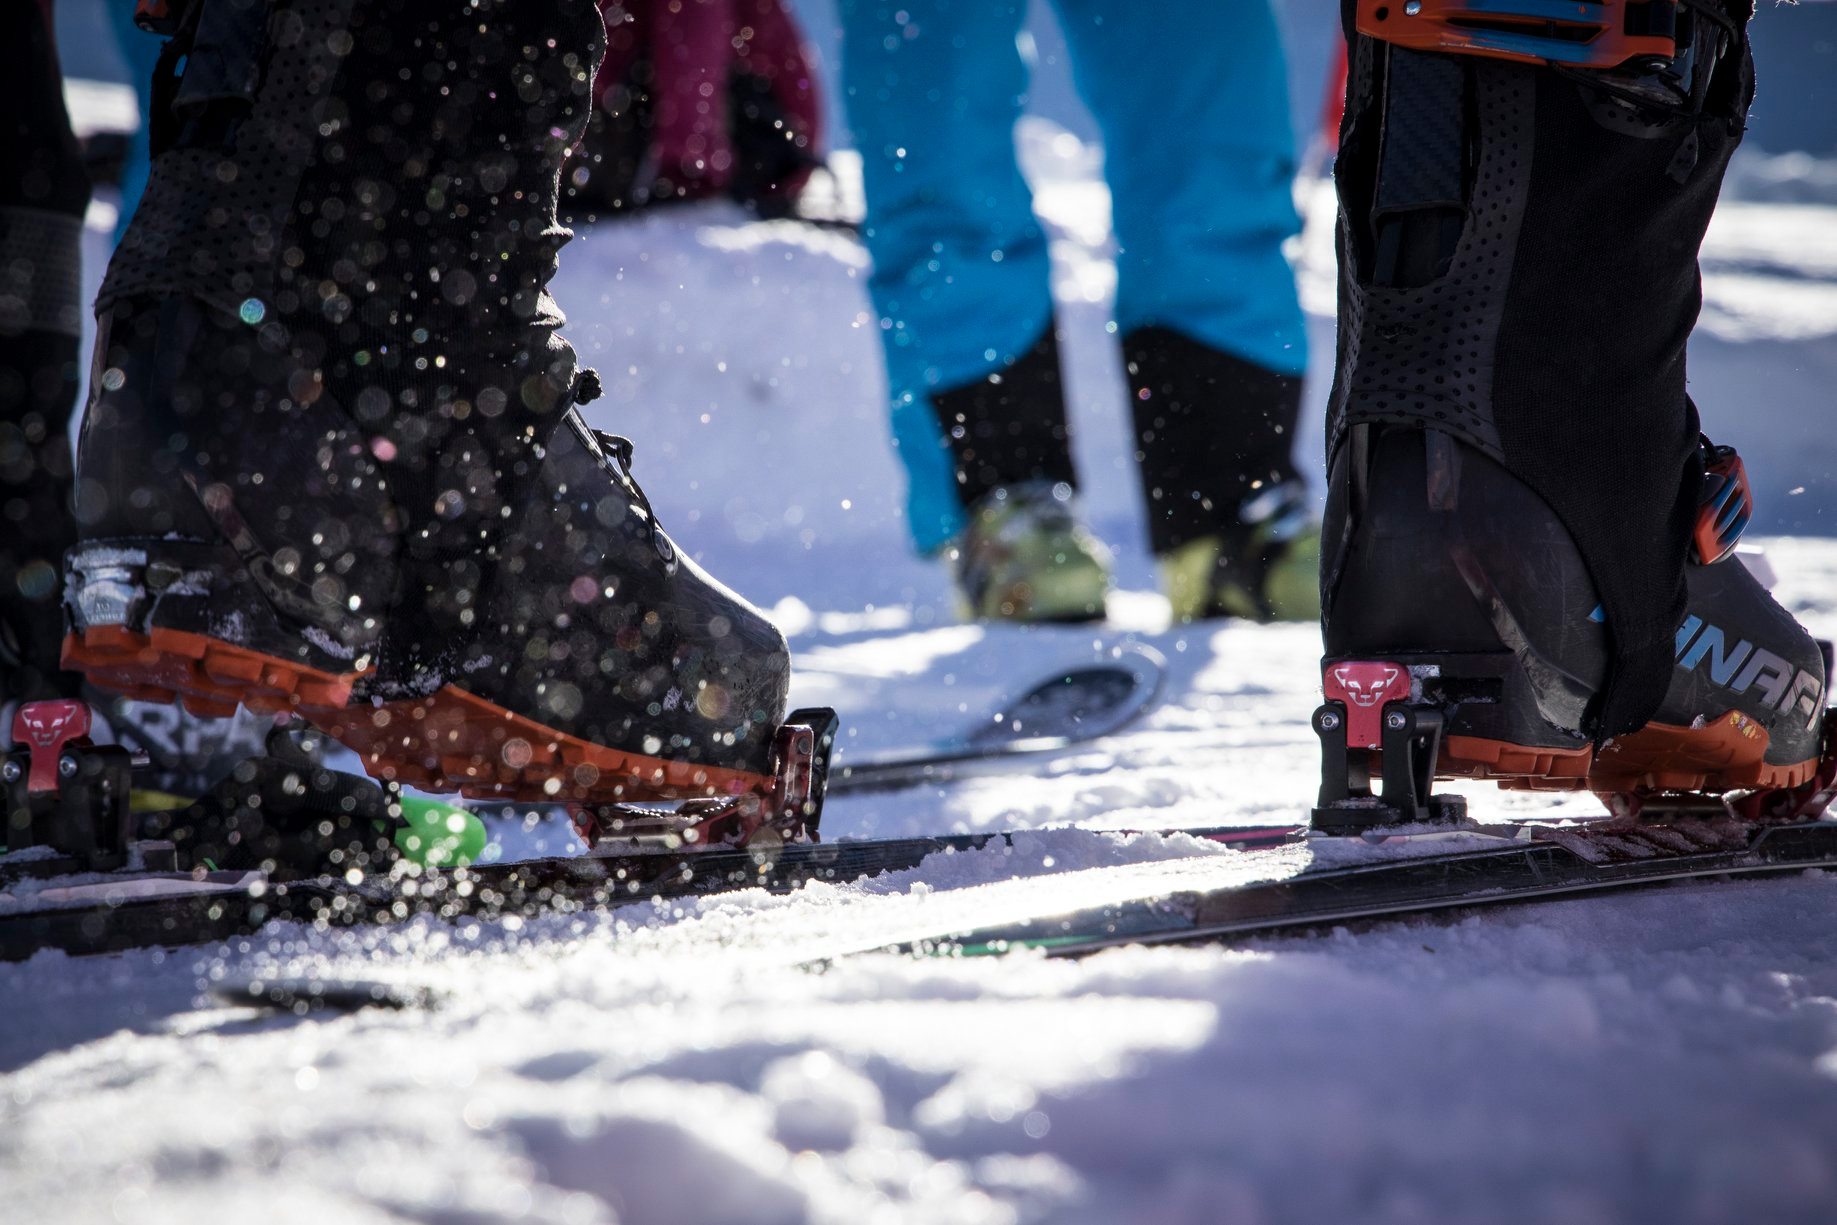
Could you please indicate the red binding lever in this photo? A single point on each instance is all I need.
(1365, 687)
(45, 728)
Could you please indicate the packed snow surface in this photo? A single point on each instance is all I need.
(1667, 1056)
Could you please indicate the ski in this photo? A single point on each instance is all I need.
(1559, 864)
(1312, 886)
(84, 882)
(1063, 710)
(92, 888)
(1307, 884)
(112, 911)
(108, 912)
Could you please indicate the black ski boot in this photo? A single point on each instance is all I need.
(603, 664)
(334, 464)
(1461, 580)
(238, 540)
(1526, 555)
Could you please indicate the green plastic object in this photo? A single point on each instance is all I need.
(439, 835)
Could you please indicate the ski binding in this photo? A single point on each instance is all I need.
(67, 799)
(792, 812)
(1369, 720)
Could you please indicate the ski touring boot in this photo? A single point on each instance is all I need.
(1528, 573)
(1023, 552)
(334, 464)
(1465, 639)
(602, 668)
(1026, 556)
(1263, 566)
(1230, 519)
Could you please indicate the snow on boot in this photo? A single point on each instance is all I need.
(333, 464)
(1025, 556)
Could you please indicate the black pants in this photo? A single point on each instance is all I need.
(44, 193)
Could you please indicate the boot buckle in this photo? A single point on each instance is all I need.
(1725, 507)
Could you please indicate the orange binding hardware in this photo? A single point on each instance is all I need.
(1604, 35)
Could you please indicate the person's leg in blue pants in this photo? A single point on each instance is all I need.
(1191, 97)
(960, 280)
(1199, 156)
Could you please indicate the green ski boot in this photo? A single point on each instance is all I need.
(1264, 568)
(1026, 557)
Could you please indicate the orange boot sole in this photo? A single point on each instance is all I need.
(1514, 766)
(207, 676)
(1725, 754)
(450, 741)
(456, 741)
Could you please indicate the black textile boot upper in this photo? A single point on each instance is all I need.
(395, 233)
(214, 448)
(356, 437)
(594, 623)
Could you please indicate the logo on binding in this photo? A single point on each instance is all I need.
(1367, 684)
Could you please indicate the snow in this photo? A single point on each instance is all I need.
(1668, 1055)
(1664, 1056)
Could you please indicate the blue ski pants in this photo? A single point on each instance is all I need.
(1191, 99)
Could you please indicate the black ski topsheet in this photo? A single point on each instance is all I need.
(1063, 710)
(1572, 863)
